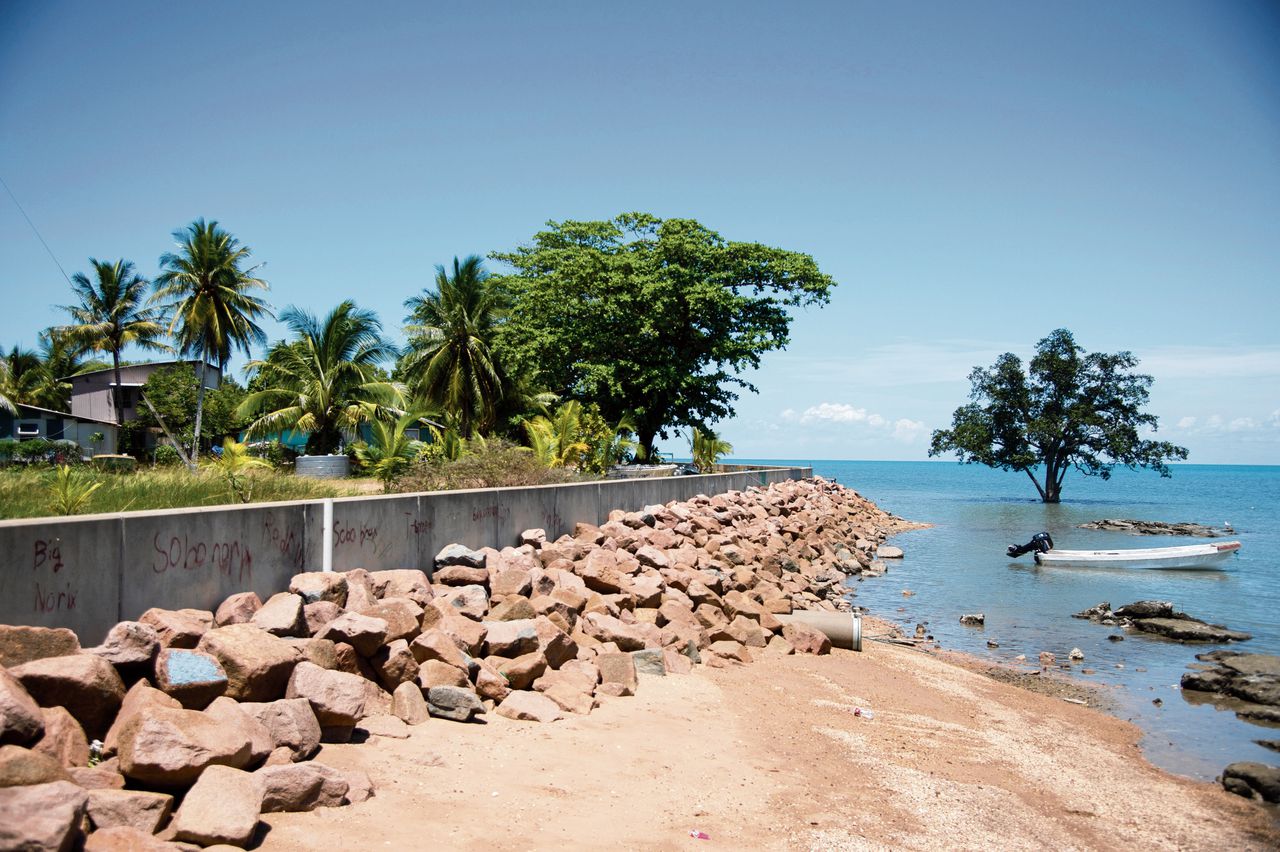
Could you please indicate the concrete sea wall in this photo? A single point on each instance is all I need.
(88, 573)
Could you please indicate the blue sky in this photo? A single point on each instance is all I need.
(973, 175)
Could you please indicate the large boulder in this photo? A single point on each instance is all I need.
(436, 644)
(805, 639)
(453, 702)
(140, 698)
(20, 719)
(301, 787)
(315, 586)
(134, 808)
(470, 601)
(42, 816)
(408, 705)
(618, 669)
(123, 838)
(337, 698)
(21, 644)
(63, 739)
(290, 722)
(402, 583)
(171, 748)
(395, 664)
(194, 678)
(511, 638)
(257, 664)
(233, 714)
(1253, 781)
(87, 685)
(222, 807)
(282, 615)
(237, 609)
(522, 671)
(20, 767)
(459, 555)
(362, 632)
(178, 628)
(403, 617)
(529, 707)
(129, 643)
(605, 628)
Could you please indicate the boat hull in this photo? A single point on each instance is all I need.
(1190, 557)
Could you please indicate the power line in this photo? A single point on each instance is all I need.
(35, 231)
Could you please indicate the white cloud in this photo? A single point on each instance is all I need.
(1186, 423)
(843, 414)
(1216, 424)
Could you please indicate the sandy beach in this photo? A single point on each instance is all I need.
(771, 756)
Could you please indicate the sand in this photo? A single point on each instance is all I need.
(771, 756)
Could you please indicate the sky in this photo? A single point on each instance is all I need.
(973, 175)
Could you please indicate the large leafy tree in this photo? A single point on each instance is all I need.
(1070, 409)
(325, 380)
(173, 392)
(113, 313)
(211, 295)
(659, 318)
(449, 363)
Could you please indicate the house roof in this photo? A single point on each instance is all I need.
(142, 364)
(23, 405)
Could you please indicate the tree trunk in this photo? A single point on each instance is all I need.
(646, 437)
(195, 439)
(115, 358)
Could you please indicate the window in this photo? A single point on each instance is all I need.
(29, 429)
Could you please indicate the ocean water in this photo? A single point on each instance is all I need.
(959, 566)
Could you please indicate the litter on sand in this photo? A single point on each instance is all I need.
(699, 835)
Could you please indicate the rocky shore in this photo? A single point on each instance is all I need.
(1157, 528)
(1159, 618)
(184, 727)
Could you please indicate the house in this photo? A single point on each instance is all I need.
(34, 422)
(92, 392)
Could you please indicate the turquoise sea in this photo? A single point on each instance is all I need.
(959, 566)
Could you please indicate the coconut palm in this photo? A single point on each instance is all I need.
(557, 441)
(450, 362)
(112, 314)
(60, 358)
(325, 380)
(22, 375)
(707, 448)
(210, 293)
(6, 403)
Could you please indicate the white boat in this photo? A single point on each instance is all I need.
(1189, 556)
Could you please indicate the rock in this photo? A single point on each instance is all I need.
(470, 601)
(96, 778)
(1189, 630)
(1047, 659)
(511, 638)
(1253, 781)
(87, 685)
(1146, 609)
(132, 808)
(233, 714)
(435, 673)
(652, 557)
(337, 698)
(178, 628)
(237, 609)
(21, 767)
(529, 707)
(123, 838)
(290, 722)
(435, 644)
(522, 671)
(314, 586)
(554, 643)
(975, 619)
(1250, 677)
(171, 748)
(194, 678)
(222, 807)
(129, 643)
(489, 684)
(514, 608)
(1156, 528)
(301, 787)
(282, 615)
(402, 583)
(395, 664)
(140, 698)
(888, 551)
(63, 739)
(20, 644)
(403, 617)
(805, 639)
(606, 628)
(42, 816)
(452, 702)
(383, 725)
(319, 613)
(360, 787)
(408, 705)
(257, 664)
(649, 662)
(456, 554)
(460, 575)
(360, 594)
(1076, 654)
(20, 719)
(618, 669)
(362, 632)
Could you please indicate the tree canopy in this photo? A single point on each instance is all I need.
(1071, 408)
(651, 317)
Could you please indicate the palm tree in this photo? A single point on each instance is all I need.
(391, 451)
(211, 298)
(113, 314)
(5, 402)
(326, 379)
(22, 375)
(557, 441)
(60, 357)
(450, 362)
(707, 448)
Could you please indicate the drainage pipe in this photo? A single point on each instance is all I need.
(844, 629)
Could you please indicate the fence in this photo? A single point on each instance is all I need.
(90, 572)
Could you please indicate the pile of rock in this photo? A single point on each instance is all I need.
(1161, 619)
(1250, 678)
(1157, 528)
(220, 712)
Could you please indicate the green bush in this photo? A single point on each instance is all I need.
(8, 449)
(273, 451)
(63, 451)
(115, 464)
(34, 450)
(167, 455)
(491, 464)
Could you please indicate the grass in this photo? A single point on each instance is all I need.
(499, 465)
(26, 493)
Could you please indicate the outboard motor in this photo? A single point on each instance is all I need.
(1041, 542)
